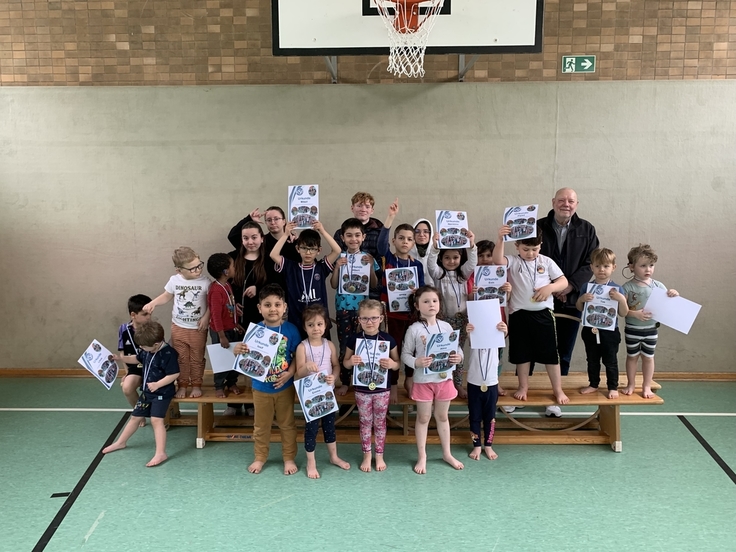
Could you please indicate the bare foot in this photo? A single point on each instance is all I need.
(235, 389)
(380, 464)
(312, 472)
(142, 423)
(290, 467)
(365, 465)
(562, 398)
(588, 390)
(340, 463)
(112, 448)
(421, 466)
(196, 392)
(628, 390)
(256, 466)
(454, 462)
(475, 453)
(461, 392)
(520, 394)
(342, 390)
(220, 393)
(647, 393)
(501, 391)
(181, 393)
(156, 460)
(612, 394)
(490, 453)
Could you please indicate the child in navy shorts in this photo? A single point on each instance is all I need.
(160, 370)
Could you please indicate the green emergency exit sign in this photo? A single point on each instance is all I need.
(578, 64)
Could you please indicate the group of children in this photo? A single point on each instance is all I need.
(277, 280)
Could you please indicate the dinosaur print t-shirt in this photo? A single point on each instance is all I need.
(190, 300)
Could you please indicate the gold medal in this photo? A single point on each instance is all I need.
(594, 331)
(443, 375)
(371, 386)
(484, 388)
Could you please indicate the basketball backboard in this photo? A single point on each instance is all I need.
(353, 27)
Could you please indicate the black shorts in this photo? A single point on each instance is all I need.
(134, 370)
(151, 406)
(533, 337)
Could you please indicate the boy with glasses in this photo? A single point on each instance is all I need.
(190, 318)
(305, 281)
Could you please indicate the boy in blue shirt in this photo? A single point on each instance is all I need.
(275, 396)
(160, 370)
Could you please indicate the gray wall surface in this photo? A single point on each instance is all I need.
(98, 186)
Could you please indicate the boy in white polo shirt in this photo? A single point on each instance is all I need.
(531, 323)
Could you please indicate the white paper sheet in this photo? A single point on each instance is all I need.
(303, 205)
(453, 229)
(523, 222)
(676, 312)
(221, 359)
(485, 316)
(98, 360)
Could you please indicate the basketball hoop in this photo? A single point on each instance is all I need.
(409, 23)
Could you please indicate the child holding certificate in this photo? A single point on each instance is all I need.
(602, 345)
(274, 397)
(641, 331)
(450, 270)
(160, 370)
(316, 354)
(483, 391)
(371, 353)
(429, 389)
(355, 272)
(402, 275)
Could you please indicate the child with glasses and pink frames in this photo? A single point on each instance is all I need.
(372, 389)
(190, 318)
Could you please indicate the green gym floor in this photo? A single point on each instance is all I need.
(672, 488)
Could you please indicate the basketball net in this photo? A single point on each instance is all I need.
(409, 23)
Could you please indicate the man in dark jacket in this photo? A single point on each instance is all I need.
(569, 241)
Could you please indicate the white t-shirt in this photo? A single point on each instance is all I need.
(414, 347)
(528, 276)
(483, 367)
(190, 300)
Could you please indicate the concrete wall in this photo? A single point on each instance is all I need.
(98, 186)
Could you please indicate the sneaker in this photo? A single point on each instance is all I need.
(553, 412)
(508, 409)
(230, 411)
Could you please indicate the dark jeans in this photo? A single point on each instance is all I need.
(606, 351)
(482, 407)
(567, 334)
(311, 429)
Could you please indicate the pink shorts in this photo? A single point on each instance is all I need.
(428, 392)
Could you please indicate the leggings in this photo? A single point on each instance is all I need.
(458, 322)
(190, 345)
(372, 410)
(311, 429)
(482, 407)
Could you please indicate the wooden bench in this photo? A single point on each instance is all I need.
(601, 427)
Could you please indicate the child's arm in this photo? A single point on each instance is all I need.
(335, 276)
(153, 386)
(393, 210)
(373, 277)
(276, 251)
(284, 377)
(469, 266)
(162, 299)
(204, 322)
(335, 363)
(543, 293)
(434, 270)
(587, 297)
(616, 295)
(335, 253)
(350, 360)
(498, 258)
(382, 245)
(300, 361)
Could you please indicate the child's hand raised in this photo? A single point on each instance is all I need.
(290, 227)
(471, 237)
(505, 230)
(393, 209)
(240, 349)
(256, 214)
(317, 226)
(436, 240)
